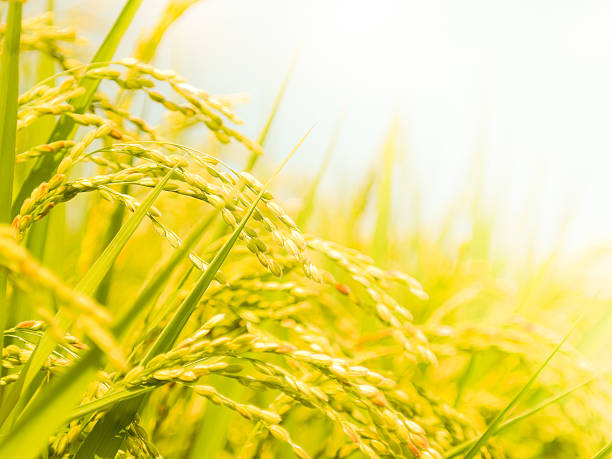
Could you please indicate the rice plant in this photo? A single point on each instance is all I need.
(180, 311)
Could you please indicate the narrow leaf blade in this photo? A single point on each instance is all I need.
(492, 428)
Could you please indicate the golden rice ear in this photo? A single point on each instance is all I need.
(89, 316)
(304, 344)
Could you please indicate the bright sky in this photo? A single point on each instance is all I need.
(530, 80)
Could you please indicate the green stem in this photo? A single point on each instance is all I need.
(9, 91)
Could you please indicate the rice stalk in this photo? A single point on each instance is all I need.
(9, 90)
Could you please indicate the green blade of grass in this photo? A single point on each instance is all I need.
(147, 45)
(309, 201)
(87, 286)
(380, 244)
(603, 452)
(279, 97)
(46, 164)
(261, 140)
(465, 377)
(105, 439)
(9, 92)
(96, 273)
(461, 448)
(108, 401)
(482, 440)
(36, 244)
(263, 135)
(161, 275)
(154, 323)
(46, 413)
(36, 134)
(107, 435)
(116, 218)
(212, 438)
(358, 206)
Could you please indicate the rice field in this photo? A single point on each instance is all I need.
(161, 297)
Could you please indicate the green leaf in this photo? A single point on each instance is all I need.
(279, 97)
(37, 134)
(482, 440)
(309, 201)
(603, 452)
(465, 376)
(45, 415)
(96, 273)
(358, 206)
(154, 285)
(380, 244)
(211, 437)
(9, 92)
